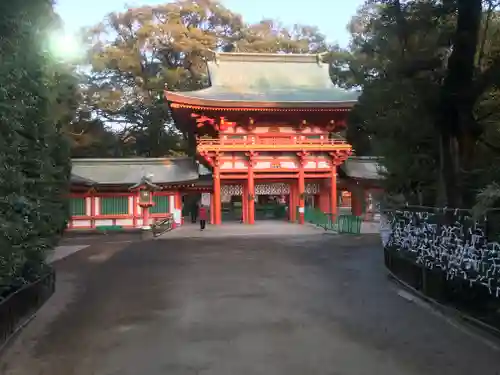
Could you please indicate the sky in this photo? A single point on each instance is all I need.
(332, 19)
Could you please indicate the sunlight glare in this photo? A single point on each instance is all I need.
(65, 46)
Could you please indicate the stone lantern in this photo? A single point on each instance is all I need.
(146, 188)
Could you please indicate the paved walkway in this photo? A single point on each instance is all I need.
(261, 228)
(239, 305)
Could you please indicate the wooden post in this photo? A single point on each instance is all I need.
(301, 192)
(244, 203)
(251, 194)
(145, 217)
(333, 192)
(251, 189)
(92, 210)
(324, 205)
(356, 201)
(212, 208)
(217, 187)
(135, 209)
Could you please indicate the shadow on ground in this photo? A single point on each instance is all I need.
(310, 304)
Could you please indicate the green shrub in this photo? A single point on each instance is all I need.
(34, 154)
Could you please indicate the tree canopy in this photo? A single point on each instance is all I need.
(429, 72)
(154, 47)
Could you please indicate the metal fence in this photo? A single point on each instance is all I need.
(448, 255)
(18, 308)
(163, 225)
(342, 223)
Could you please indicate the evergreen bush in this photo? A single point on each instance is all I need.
(34, 153)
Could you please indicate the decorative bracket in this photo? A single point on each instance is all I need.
(339, 156)
(224, 124)
(302, 157)
(202, 120)
(251, 158)
(251, 124)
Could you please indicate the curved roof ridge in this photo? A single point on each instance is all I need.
(267, 57)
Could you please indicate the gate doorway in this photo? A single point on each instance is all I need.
(271, 207)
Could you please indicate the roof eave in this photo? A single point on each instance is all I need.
(179, 100)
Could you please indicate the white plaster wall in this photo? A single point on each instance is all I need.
(263, 165)
(80, 223)
(171, 203)
(131, 205)
(265, 129)
(125, 222)
(88, 203)
(97, 202)
(226, 165)
(288, 164)
(103, 222)
(239, 165)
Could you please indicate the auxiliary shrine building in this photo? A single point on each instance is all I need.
(269, 133)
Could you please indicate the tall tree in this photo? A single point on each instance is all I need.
(167, 45)
(437, 55)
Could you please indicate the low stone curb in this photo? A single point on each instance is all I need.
(447, 310)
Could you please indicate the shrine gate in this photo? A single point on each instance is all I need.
(269, 125)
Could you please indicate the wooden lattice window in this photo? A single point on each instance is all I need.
(114, 206)
(77, 206)
(161, 204)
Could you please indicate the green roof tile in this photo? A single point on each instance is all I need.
(273, 78)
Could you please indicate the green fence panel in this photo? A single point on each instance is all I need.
(161, 204)
(114, 205)
(349, 224)
(77, 207)
(342, 223)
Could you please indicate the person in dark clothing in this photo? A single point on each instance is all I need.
(203, 217)
(194, 213)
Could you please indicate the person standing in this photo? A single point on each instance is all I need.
(202, 215)
(194, 212)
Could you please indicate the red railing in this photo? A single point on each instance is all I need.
(269, 141)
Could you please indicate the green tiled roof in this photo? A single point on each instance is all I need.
(363, 168)
(272, 78)
(130, 171)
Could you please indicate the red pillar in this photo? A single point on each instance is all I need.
(295, 201)
(356, 202)
(212, 209)
(333, 192)
(244, 203)
(324, 204)
(93, 211)
(217, 203)
(301, 193)
(251, 196)
(145, 217)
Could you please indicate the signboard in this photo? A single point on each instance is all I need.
(205, 199)
(301, 210)
(177, 216)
